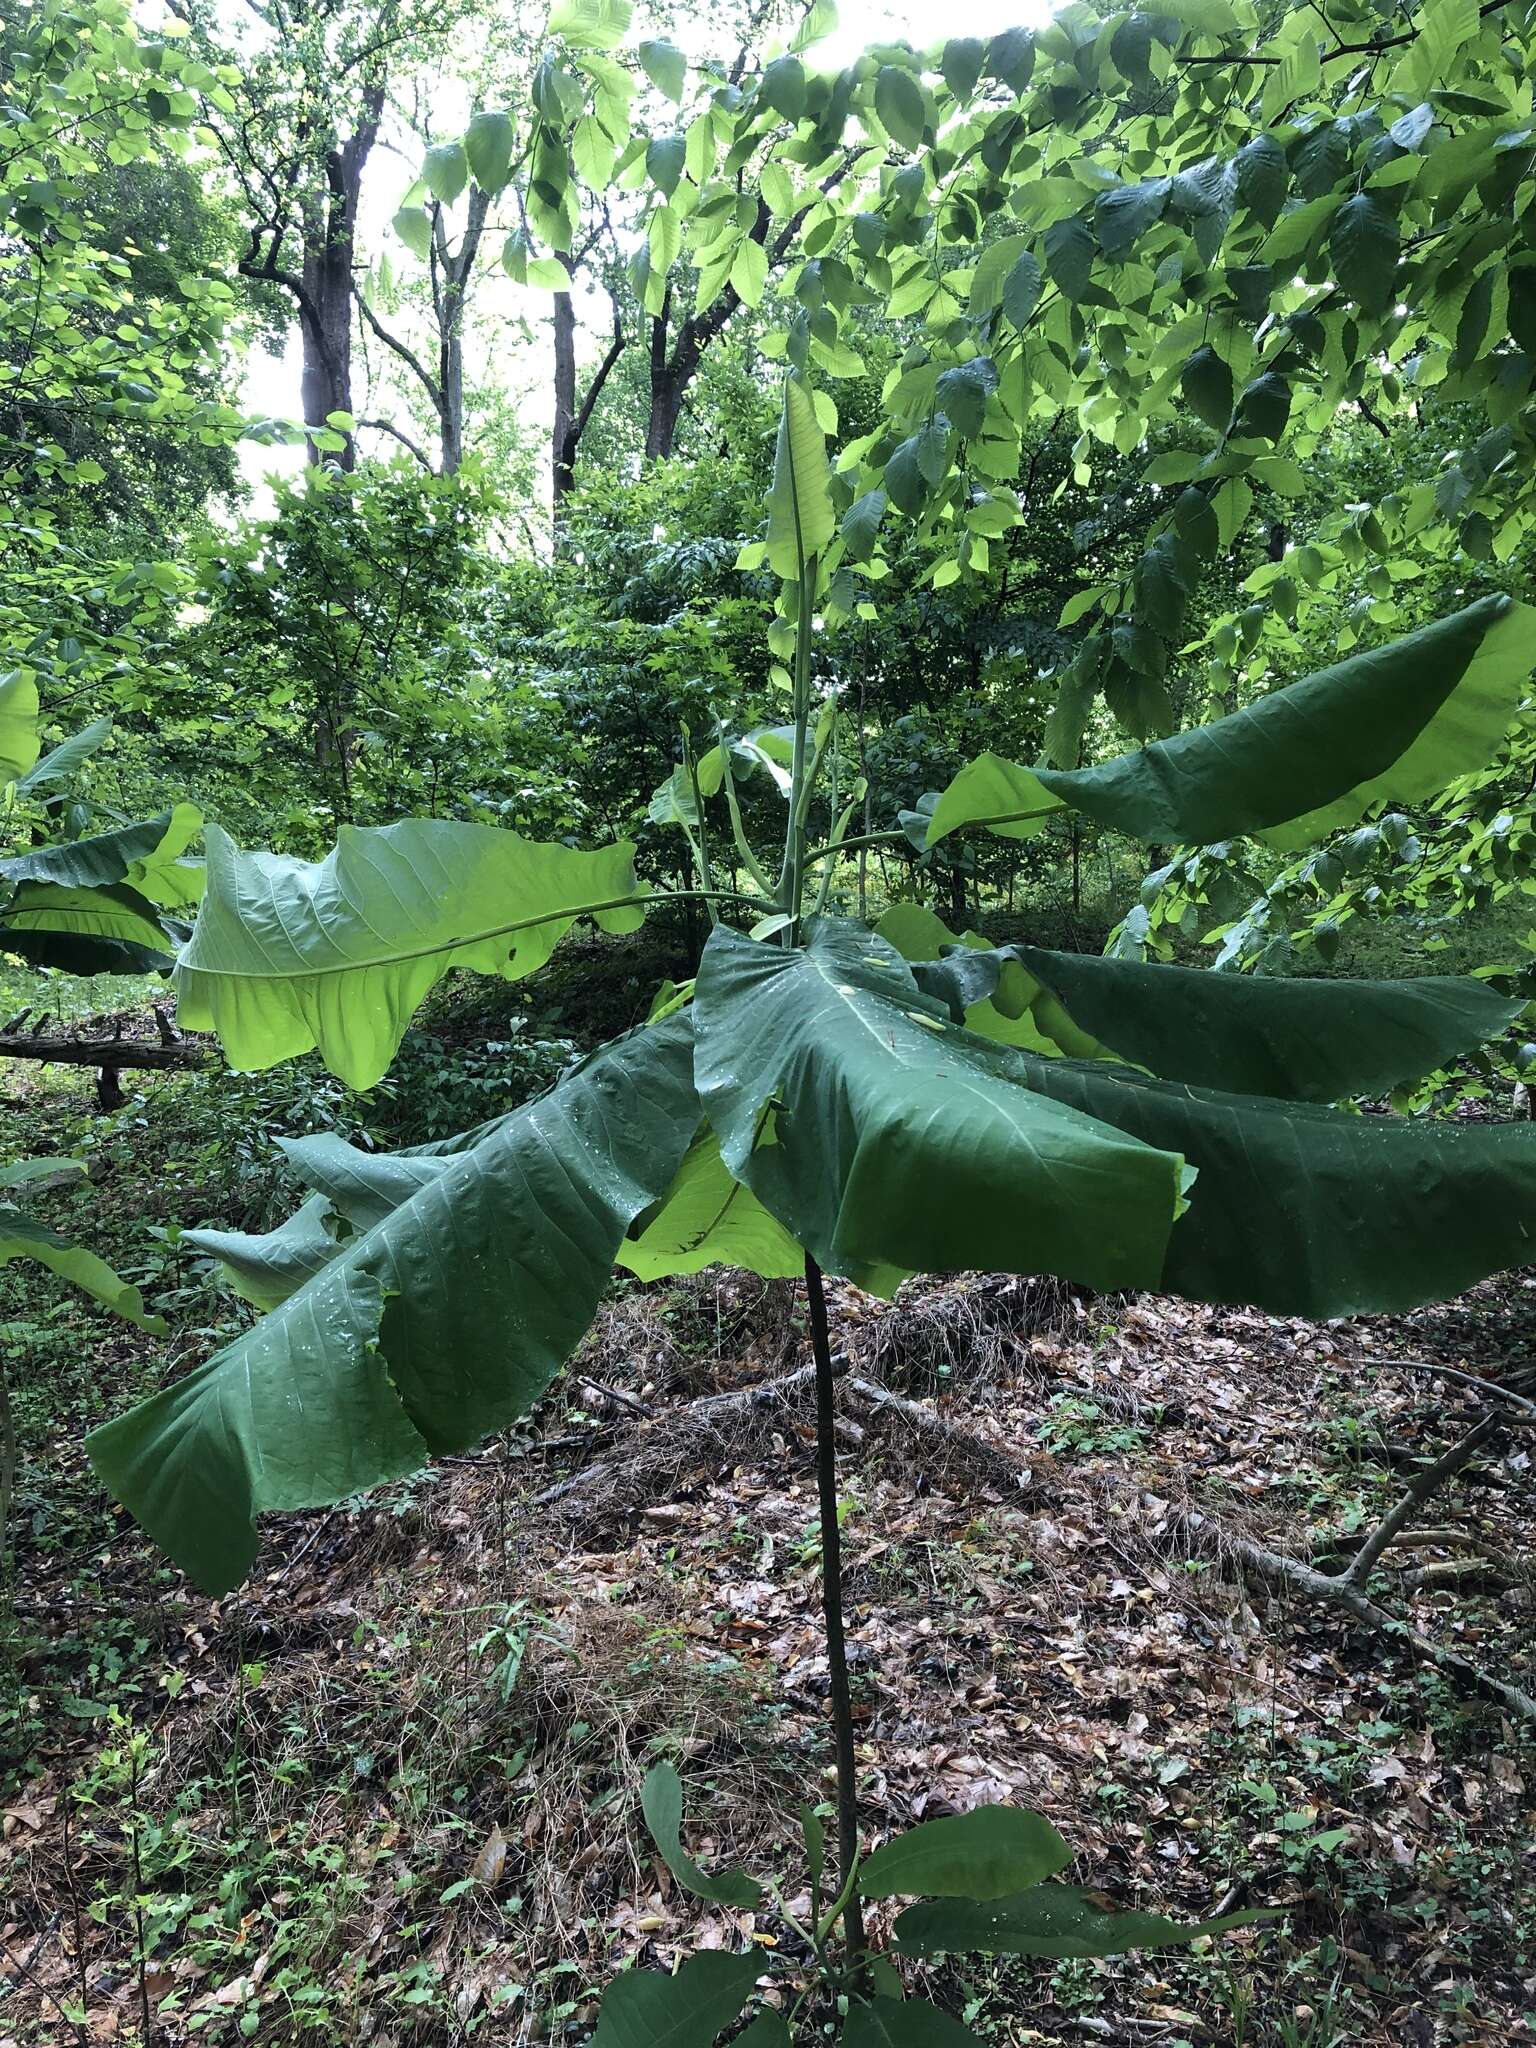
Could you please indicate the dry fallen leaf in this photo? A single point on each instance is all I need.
(489, 1864)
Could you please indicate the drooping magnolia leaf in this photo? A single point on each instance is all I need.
(707, 1218)
(881, 1136)
(661, 1800)
(265, 1268)
(23, 1237)
(1396, 723)
(1310, 1211)
(66, 758)
(1047, 1920)
(146, 856)
(364, 1187)
(800, 517)
(921, 938)
(337, 954)
(644, 2009)
(84, 931)
(1312, 1041)
(444, 1322)
(19, 743)
(904, 2023)
(984, 1854)
(17, 1173)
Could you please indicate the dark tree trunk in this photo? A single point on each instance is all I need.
(449, 293)
(562, 442)
(570, 418)
(330, 255)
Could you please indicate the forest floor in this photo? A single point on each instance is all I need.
(388, 1794)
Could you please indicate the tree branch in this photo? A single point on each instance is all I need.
(595, 388)
(108, 1052)
(407, 356)
(415, 447)
(1418, 1490)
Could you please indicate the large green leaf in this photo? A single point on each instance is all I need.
(364, 1187)
(984, 1854)
(1319, 1212)
(1396, 723)
(707, 1218)
(17, 1173)
(19, 744)
(801, 521)
(265, 1269)
(84, 931)
(1047, 1920)
(661, 1800)
(146, 856)
(921, 938)
(444, 1322)
(58, 765)
(768, 2030)
(643, 2009)
(23, 1237)
(879, 1135)
(1314, 1041)
(904, 2023)
(290, 954)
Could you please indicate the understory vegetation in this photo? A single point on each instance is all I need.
(766, 991)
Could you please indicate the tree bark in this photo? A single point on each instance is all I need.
(330, 256)
(108, 1052)
(571, 419)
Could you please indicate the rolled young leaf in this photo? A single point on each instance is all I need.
(880, 1135)
(1306, 1040)
(984, 1854)
(644, 2009)
(444, 1322)
(1395, 723)
(800, 517)
(337, 954)
(1047, 1920)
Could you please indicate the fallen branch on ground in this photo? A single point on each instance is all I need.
(1201, 1533)
(109, 1052)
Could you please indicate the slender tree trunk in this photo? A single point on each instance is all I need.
(329, 223)
(832, 1600)
(562, 449)
(457, 271)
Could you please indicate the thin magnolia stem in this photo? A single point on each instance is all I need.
(818, 854)
(832, 1605)
(749, 859)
